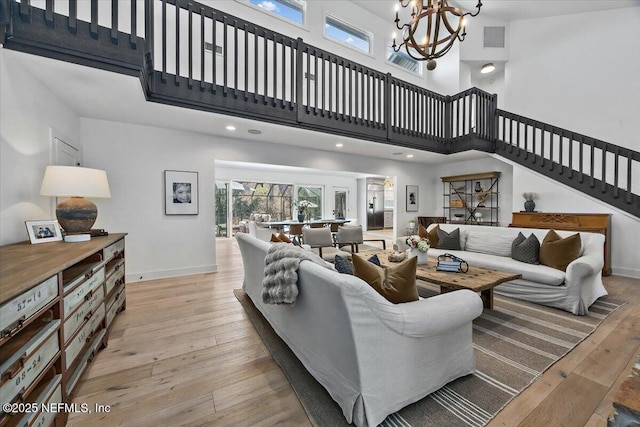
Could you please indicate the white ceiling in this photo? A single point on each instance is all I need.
(510, 10)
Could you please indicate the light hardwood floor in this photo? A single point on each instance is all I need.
(185, 353)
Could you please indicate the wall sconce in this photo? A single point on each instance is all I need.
(76, 214)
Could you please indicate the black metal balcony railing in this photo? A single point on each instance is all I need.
(191, 55)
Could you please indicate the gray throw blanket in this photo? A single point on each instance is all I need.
(280, 283)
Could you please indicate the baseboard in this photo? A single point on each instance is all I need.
(626, 272)
(166, 274)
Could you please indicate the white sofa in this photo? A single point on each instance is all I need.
(574, 290)
(372, 356)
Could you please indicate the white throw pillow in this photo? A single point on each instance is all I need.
(487, 242)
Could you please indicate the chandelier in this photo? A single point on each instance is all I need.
(432, 29)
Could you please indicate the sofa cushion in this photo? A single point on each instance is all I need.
(396, 283)
(489, 241)
(344, 266)
(526, 249)
(534, 273)
(449, 240)
(431, 235)
(557, 252)
(275, 239)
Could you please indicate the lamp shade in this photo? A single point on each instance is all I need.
(74, 181)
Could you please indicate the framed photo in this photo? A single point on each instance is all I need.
(43, 231)
(412, 198)
(180, 193)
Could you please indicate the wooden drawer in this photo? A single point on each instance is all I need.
(84, 312)
(88, 356)
(84, 336)
(14, 313)
(114, 304)
(83, 290)
(116, 277)
(115, 250)
(50, 393)
(20, 371)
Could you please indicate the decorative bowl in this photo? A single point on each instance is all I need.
(458, 215)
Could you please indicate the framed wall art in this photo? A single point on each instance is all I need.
(43, 231)
(180, 193)
(412, 198)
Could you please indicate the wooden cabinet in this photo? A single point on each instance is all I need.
(472, 198)
(593, 223)
(57, 301)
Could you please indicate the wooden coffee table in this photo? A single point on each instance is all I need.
(477, 279)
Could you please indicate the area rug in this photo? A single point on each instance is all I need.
(514, 344)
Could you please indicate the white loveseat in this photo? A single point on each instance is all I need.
(574, 290)
(372, 356)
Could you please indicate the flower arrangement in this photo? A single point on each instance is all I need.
(304, 206)
(529, 197)
(419, 243)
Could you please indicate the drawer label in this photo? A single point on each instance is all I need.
(77, 296)
(85, 312)
(19, 309)
(33, 366)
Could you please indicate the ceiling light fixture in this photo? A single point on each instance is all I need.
(339, 144)
(409, 156)
(487, 68)
(421, 35)
(230, 127)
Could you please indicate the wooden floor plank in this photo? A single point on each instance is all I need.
(185, 353)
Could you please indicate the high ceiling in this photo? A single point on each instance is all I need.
(510, 10)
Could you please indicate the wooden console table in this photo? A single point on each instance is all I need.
(593, 223)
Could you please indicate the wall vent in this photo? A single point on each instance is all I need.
(493, 36)
(209, 48)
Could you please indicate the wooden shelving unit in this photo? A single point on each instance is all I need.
(472, 198)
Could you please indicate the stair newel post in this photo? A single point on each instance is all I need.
(448, 121)
(148, 34)
(48, 13)
(114, 21)
(387, 104)
(25, 10)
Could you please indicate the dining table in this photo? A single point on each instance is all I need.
(280, 224)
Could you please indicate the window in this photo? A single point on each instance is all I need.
(313, 195)
(263, 198)
(404, 60)
(347, 34)
(292, 10)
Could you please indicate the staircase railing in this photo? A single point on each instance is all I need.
(191, 55)
(600, 169)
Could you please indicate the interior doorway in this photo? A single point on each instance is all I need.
(340, 202)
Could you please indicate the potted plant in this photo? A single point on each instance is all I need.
(529, 204)
(304, 209)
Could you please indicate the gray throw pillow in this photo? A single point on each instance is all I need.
(449, 240)
(526, 249)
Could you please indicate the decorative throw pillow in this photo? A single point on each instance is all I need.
(449, 241)
(344, 266)
(526, 249)
(283, 237)
(432, 235)
(396, 283)
(275, 239)
(557, 252)
(422, 232)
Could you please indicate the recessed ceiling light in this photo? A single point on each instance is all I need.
(409, 156)
(339, 144)
(255, 131)
(230, 127)
(487, 68)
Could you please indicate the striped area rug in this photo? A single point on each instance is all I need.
(514, 344)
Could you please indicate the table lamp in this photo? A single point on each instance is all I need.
(76, 214)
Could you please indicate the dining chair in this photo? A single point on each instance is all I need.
(295, 230)
(350, 238)
(321, 243)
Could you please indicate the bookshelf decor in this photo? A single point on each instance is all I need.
(471, 199)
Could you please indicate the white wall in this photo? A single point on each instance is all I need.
(579, 72)
(135, 157)
(555, 197)
(28, 110)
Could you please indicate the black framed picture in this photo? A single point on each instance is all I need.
(412, 198)
(180, 193)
